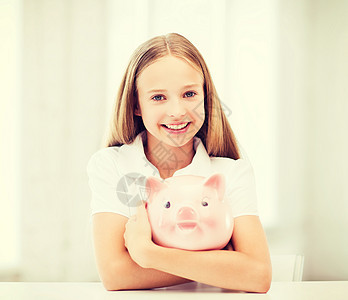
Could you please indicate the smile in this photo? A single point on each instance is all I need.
(176, 126)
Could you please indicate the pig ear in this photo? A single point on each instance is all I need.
(216, 181)
(153, 185)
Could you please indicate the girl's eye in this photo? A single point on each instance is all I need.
(167, 205)
(204, 203)
(157, 97)
(189, 94)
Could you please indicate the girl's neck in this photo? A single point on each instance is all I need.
(168, 159)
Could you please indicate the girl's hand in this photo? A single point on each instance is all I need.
(138, 236)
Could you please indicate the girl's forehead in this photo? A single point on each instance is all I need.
(176, 59)
(169, 69)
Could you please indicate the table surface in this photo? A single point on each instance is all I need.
(335, 290)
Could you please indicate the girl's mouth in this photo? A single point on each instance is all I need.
(181, 128)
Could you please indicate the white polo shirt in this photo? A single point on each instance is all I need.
(117, 177)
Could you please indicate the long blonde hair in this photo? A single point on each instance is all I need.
(215, 133)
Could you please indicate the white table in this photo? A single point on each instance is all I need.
(309, 290)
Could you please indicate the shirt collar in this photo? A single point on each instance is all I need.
(133, 159)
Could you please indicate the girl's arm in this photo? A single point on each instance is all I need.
(248, 268)
(116, 269)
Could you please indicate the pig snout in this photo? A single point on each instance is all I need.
(186, 214)
(186, 220)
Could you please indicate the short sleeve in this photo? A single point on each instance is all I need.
(241, 188)
(103, 179)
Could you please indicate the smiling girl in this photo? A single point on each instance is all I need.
(168, 121)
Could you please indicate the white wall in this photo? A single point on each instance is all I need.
(290, 84)
(283, 73)
(10, 192)
(326, 208)
(62, 112)
(312, 139)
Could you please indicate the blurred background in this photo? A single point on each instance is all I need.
(281, 71)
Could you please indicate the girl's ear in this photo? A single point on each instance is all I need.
(137, 111)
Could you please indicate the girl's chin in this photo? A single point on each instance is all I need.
(174, 140)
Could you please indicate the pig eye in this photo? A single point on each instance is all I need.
(204, 203)
(167, 205)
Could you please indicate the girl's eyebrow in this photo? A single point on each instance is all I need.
(156, 91)
(163, 90)
(191, 85)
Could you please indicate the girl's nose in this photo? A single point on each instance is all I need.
(176, 108)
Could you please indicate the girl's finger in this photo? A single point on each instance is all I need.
(141, 209)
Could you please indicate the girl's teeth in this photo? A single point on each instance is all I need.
(177, 126)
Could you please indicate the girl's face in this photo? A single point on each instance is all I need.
(170, 94)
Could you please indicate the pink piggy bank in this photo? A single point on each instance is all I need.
(189, 212)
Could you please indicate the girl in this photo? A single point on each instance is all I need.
(168, 121)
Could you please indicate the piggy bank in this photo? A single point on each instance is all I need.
(189, 212)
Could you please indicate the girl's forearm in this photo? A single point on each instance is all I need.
(127, 275)
(221, 268)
